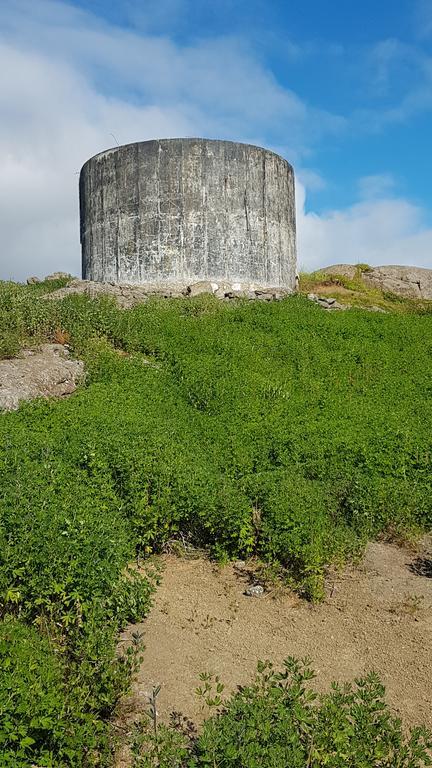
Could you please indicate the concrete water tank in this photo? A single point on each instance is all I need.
(183, 210)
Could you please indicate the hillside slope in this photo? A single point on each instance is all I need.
(272, 429)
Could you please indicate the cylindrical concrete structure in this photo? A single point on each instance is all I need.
(183, 210)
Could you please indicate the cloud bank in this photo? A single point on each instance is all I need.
(75, 85)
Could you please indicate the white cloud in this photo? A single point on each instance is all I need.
(383, 59)
(373, 231)
(52, 120)
(310, 179)
(377, 186)
(423, 18)
(399, 76)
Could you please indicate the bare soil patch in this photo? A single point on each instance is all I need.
(377, 616)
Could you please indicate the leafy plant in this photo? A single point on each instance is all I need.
(280, 721)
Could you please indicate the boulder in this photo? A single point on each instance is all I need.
(345, 270)
(238, 294)
(203, 286)
(46, 372)
(409, 282)
(57, 276)
(327, 302)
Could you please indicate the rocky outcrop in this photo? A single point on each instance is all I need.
(410, 282)
(54, 276)
(46, 372)
(344, 270)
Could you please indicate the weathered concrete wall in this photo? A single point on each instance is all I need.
(188, 209)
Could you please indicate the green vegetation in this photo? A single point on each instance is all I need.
(250, 428)
(278, 721)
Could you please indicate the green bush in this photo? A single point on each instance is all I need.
(31, 696)
(45, 718)
(278, 721)
(10, 344)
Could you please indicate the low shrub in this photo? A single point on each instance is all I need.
(45, 717)
(279, 721)
(10, 344)
(32, 693)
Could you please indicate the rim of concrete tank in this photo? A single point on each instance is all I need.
(189, 138)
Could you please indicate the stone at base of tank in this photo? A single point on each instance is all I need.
(128, 295)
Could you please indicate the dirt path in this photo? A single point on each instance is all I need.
(378, 616)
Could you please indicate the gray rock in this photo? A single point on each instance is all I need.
(221, 293)
(256, 591)
(344, 270)
(33, 280)
(327, 302)
(263, 295)
(203, 286)
(240, 294)
(46, 372)
(410, 282)
(57, 276)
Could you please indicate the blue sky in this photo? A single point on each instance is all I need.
(343, 90)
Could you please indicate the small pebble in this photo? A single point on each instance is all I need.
(256, 591)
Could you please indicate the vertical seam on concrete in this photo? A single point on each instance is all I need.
(279, 266)
(181, 269)
(204, 208)
(225, 255)
(116, 186)
(159, 150)
(246, 214)
(265, 243)
(137, 254)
